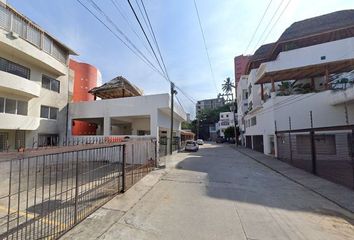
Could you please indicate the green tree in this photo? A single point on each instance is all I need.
(186, 125)
(229, 132)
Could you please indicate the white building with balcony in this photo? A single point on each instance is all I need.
(34, 85)
(148, 115)
(307, 73)
(226, 120)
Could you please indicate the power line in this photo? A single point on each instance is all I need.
(147, 38)
(154, 36)
(132, 48)
(179, 102)
(270, 21)
(205, 45)
(259, 24)
(130, 24)
(276, 21)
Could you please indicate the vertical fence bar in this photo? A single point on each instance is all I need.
(76, 188)
(123, 168)
(155, 141)
(290, 142)
(9, 201)
(352, 144)
(313, 147)
(18, 196)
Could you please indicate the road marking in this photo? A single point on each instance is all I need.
(32, 216)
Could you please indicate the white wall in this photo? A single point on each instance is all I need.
(155, 106)
(298, 108)
(31, 91)
(333, 51)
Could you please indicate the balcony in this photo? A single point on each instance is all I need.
(18, 85)
(22, 38)
(18, 122)
(312, 61)
(341, 96)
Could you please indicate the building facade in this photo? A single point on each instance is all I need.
(115, 117)
(240, 65)
(34, 83)
(226, 120)
(209, 104)
(303, 80)
(85, 78)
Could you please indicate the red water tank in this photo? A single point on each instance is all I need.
(86, 77)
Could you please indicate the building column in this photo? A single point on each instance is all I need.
(326, 78)
(273, 85)
(106, 126)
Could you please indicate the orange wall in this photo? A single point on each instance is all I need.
(85, 78)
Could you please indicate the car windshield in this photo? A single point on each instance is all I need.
(191, 143)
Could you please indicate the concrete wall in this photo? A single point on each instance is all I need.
(298, 108)
(333, 51)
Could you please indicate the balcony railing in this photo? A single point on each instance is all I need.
(12, 21)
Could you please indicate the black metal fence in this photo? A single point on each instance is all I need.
(164, 145)
(43, 196)
(327, 152)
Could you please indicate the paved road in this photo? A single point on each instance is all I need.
(219, 193)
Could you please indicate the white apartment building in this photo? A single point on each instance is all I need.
(298, 78)
(226, 120)
(34, 85)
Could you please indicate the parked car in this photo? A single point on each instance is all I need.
(220, 140)
(191, 146)
(200, 141)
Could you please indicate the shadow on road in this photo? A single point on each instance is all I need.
(233, 176)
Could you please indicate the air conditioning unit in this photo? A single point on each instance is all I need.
(14, 35)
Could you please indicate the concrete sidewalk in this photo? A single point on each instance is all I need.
(218, 193)
(338, 194)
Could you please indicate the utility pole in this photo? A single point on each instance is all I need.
(172, 103)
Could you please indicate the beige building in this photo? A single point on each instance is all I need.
(34, 83)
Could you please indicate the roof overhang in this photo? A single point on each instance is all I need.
(307, 71)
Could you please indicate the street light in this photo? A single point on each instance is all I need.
(233, 109)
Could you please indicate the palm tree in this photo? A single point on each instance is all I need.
(287, 88)
(227, 88)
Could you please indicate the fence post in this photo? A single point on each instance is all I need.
(352, 144)
(290, 142)
(123, 168)
(313, 147)
(155, 153)
(76, 188)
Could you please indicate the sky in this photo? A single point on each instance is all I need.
(228, 27)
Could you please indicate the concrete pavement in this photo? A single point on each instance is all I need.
(217, 193)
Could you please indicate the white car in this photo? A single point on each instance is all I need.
(200, 141)
(191, 146)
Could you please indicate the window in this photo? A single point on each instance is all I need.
(14, 68)
(2, 105)
(49, 112)
(50, 83)
(22, 108)
(53, 113)
(253, 121)
(44, 112)
(244, 94)
(10, 106)
(13, 106)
